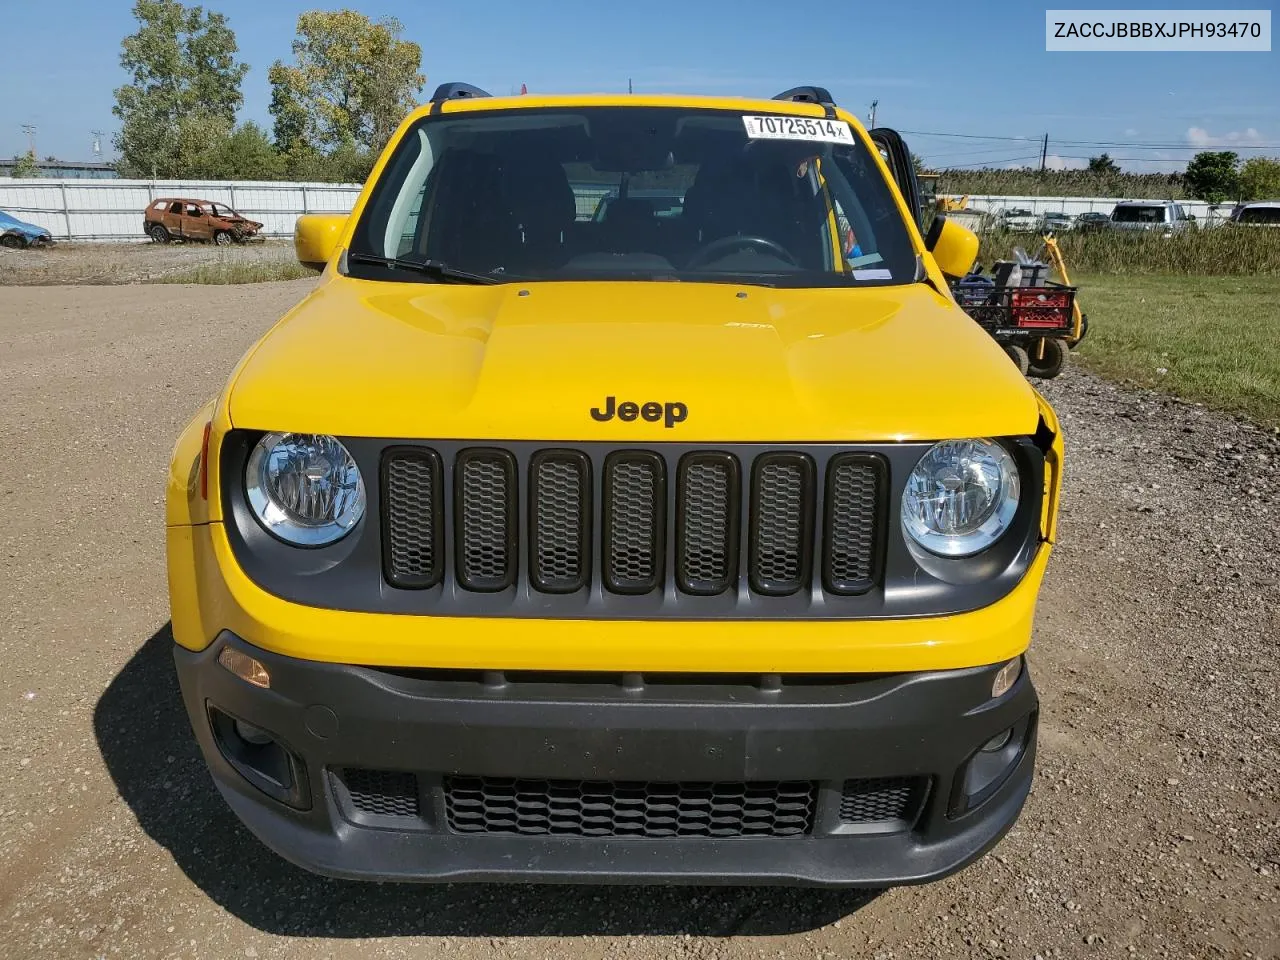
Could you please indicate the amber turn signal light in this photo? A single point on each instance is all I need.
(245, 667)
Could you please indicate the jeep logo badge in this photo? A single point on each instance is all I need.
(669, 413)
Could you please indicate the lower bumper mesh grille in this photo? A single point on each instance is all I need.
(380, 793)
(589, 808)
(882, 800)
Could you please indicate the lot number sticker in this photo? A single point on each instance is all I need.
(797, 128)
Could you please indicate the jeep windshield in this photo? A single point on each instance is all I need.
(633, 193)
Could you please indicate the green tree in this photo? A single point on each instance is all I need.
(1103, 164)
(1260, 179)
(184, 90)
(352, 82)
(290, 116)
(346, 163)
(24, 165)
(246, 154)
(1212, 175)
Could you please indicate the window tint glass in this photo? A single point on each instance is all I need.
(1138, 215)
(634, 193)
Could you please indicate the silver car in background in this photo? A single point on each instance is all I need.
(1262, 213)
(1018, 218)
(1153, 216)
(1056, 221)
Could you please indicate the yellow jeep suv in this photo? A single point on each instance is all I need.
(694, 541)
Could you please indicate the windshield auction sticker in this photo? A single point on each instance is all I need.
(797, 128)
(1154, 31)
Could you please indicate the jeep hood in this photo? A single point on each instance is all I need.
(530, 362)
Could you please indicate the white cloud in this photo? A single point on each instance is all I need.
(1055, 162)
(1130, 132)
(1200, 137)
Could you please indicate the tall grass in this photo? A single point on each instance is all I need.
(232, 271)
(1222, 251)
(1062, 183)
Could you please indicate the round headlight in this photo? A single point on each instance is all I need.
(305, 488)
(961, 497)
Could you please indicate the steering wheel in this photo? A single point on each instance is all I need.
(725, 244)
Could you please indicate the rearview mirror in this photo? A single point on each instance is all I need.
(954, 247)
(315, 237)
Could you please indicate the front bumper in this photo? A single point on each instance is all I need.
(428, 726)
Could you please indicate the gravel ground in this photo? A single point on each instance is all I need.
(1153, 828)
(142, 262)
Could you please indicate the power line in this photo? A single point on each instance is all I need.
(964, 153)
(1079, 156)
(1151, 145)
(968, 136)
(1129, 144)
(992, 163)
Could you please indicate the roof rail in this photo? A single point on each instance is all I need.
(457, 91)
(819, 95)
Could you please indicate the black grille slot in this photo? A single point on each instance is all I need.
(381, 793)
(781, 523)
(559, 520)
(572, 515)
(881, 800)
(590, 808)
(412, 515)
(851, 547)
(634, 520)
(486, 508)
(707, 523)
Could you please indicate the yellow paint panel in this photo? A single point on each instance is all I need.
(366, 358)
(211, 593)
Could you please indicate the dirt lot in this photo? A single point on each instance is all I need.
(1153, 828)
(143, 262)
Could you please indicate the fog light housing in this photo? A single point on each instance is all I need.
(998, 742)
(990, 766)
(245, 667)
(258, 737)
(261, 758)
(1006, 677)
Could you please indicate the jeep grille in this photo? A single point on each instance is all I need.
(633, 522)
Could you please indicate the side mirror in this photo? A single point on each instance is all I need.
(954, 247)
(315, 237)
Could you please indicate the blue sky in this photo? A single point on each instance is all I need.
(934, 66)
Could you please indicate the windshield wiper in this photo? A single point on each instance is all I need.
(436, 269)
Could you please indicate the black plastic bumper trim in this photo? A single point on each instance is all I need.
(920, 725)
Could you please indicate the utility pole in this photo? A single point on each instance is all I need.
(874, 104)
(1044, 153)
(30, 130)
(629, 89)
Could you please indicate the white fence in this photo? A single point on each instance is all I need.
(112, 209)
